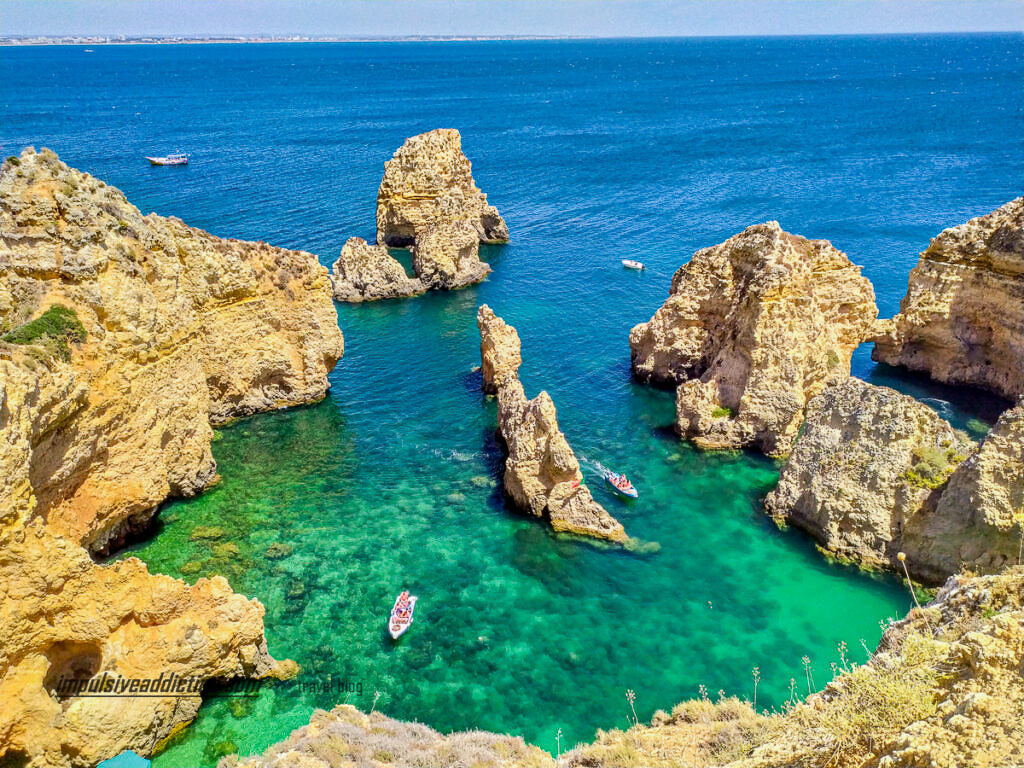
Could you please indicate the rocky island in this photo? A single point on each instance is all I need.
(428, 202)
(124, 337)
(542, 474)
(753, 329)
(962, 319)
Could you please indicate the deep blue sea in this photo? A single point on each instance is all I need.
(593, 151)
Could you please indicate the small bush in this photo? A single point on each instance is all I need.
(721, 412)
(933, 466)
(54, 329)
(13, 160)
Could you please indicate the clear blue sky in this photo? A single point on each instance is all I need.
(505, 17)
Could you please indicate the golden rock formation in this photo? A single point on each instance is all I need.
(754, 328)
(962, 320)
(366, 272)
(542, 474)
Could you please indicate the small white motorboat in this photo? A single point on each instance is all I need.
(631, 264)
(621, 484)
(178, 158)
(401, 615)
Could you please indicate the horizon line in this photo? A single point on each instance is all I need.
(236, 38)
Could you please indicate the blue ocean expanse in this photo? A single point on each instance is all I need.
(594, 151)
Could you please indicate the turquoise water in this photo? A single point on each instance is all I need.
(594, 151)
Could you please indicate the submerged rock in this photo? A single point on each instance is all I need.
(867, 472)
(962, 319)
(428, 200)
(366, 272)
(754, 328)
(170, 329)
(542, 474)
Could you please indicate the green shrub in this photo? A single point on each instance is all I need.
(14, 160)
(933, 466)
(54, 330)
(721, 412)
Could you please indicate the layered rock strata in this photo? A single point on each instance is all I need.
(875, 473)
(429, 201)
(174, 329)
(962, 319)
(542, 474)
(365, 272)
(754, 328)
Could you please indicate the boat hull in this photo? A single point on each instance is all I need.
(165, 161)
(395, 628)
(630, 264)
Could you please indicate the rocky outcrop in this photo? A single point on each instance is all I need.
(66, 619)
(978, 519)
(866, 476)
(124, 337)
(962, 320)
(428, 200)
(754, 328)
(542, 474)
(345, 736)
(366, 272)
(181, 329)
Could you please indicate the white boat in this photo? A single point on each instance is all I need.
(630, 264)
(178, 158)
(401, 615)
(621, 484)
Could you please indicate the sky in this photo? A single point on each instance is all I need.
(599, 18)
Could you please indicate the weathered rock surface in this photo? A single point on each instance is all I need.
(66, 617)
(754, 328)
(866, 475)
(366, 272)
(977, 522)
(345, 736)
(542, 474)
(428, 200)
(962, 320)
(181, 329)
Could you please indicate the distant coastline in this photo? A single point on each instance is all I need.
(26, 40)
(90, 40)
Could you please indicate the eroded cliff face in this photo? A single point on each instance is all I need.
(428, 200)
(876, 472)
(366, 272)
(978, 519)
(180, 329)
(183, 328)
(64, 617)
(962, 320)
(542, 474)
(753, 329)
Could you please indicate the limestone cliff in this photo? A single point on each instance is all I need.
(977, 522)
(875, 472)
(542, 474)
(66, 617)
(428, 200)
(122, 337)
(366, 272)
(182, 328)
(962, 320)
(943, 694)
(754, 328)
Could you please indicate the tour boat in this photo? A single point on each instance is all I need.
(397, 623)
(621, 484)
(630, 264)
(178, 158)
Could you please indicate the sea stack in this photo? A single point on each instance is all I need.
(123, 338)
(365, 272)
(542, 474)
(962, 319)
(428, 201)
(753, 329)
